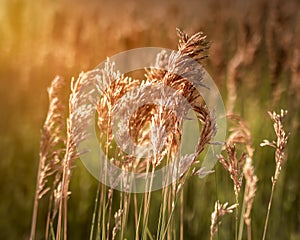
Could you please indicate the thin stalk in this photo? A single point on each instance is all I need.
(164, 209)
(159, 221)
(236, 215)
(122, 197)
(145, 201)
(99, 213)
(125, 213)
(126, 205)
(36, 204)
(174, 203)
(146, 216)
(95, 211)
(170, 217)
(149, 234)
(161, 225)
(65, 213)
(63, 199)
(181, 215)
(139, 220)
(127, 201)
(170, 197)
(164, 206)
(241, 227)
(136, 214)
(58, 229)
(249, 231)
(52, 231)
(48, 216)
(104, 185)
(216, 181)
(269, 209)
(109, 212)
(104, 214)
(171, 203)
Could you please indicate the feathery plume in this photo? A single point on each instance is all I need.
(280, 143)
(219, 211)
(233, 165)
(51, 146)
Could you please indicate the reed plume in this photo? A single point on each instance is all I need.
(234, 166)
(280, 146)
(51, 146)
(219, 211)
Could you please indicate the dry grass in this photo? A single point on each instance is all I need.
(218, 213)
(250, 191)
(51, 153)
(161, 128)
(163, 133)
(234, 166)
(151, 124)
(279, 145)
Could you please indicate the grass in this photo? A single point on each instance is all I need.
(33, 40)
(148, 124)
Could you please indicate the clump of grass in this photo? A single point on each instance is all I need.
(57, 154)
(150, 124)
(51, 153)
(237, 169)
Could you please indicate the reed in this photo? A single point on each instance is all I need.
(154, 125)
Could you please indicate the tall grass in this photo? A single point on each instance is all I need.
(150, 124)
(42, 39)
(155, 124)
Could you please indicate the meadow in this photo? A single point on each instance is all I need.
(253, 57)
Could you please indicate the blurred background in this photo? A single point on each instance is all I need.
(255, 45)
